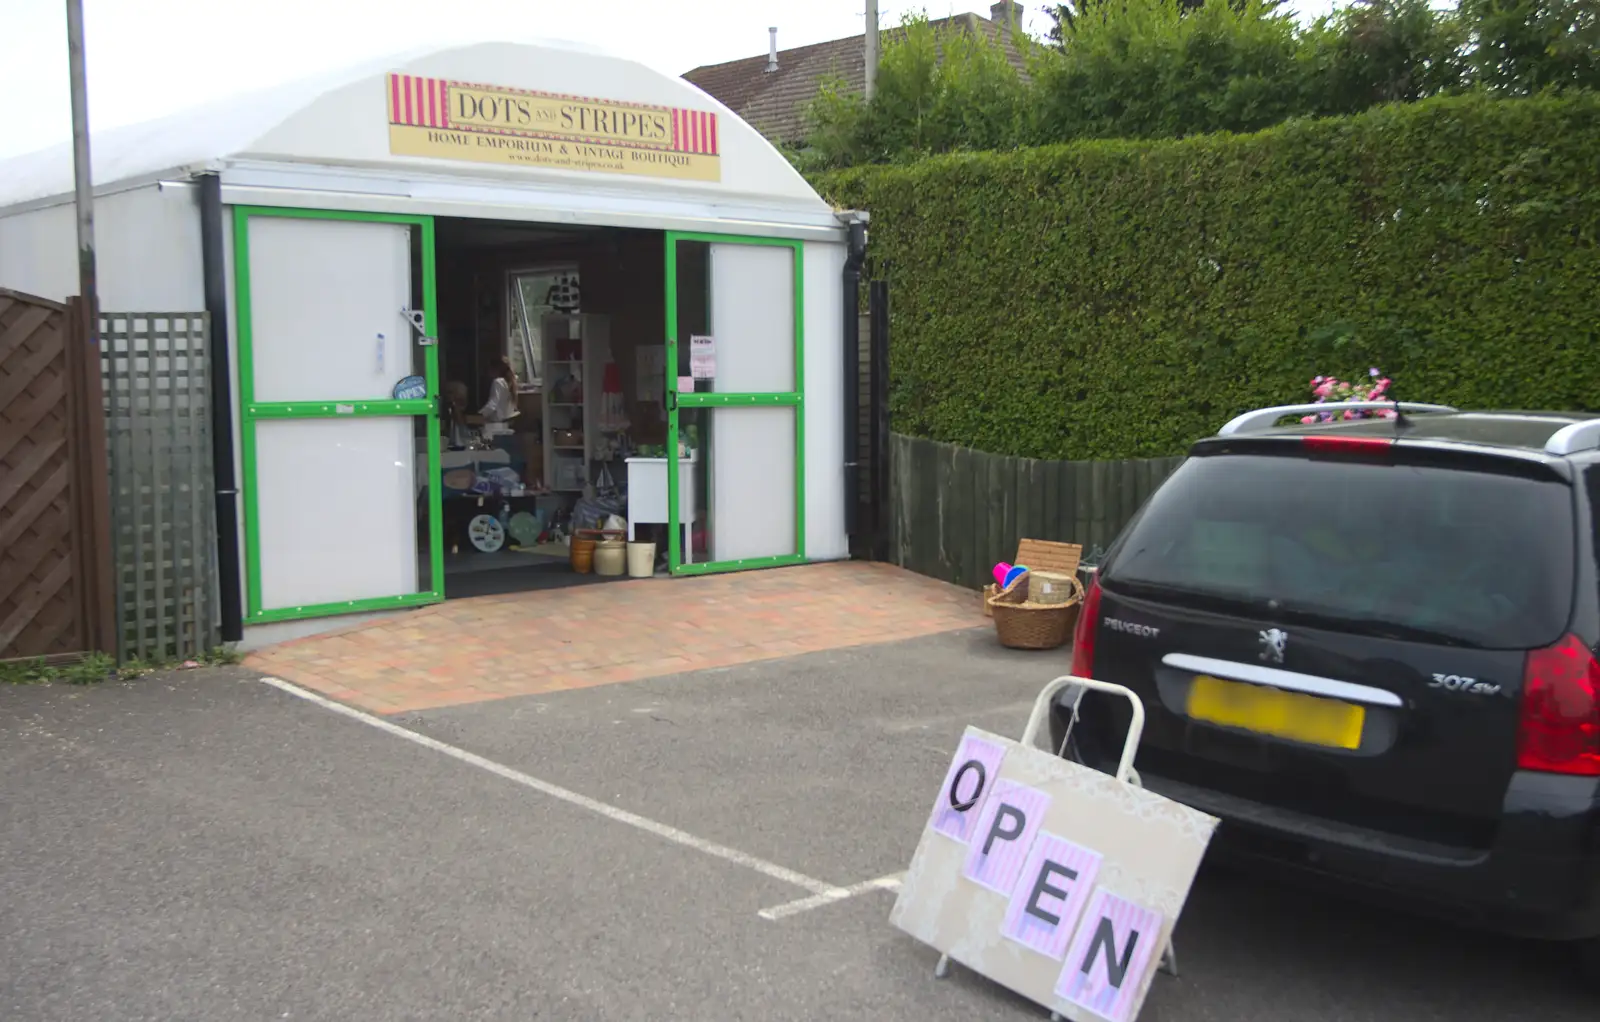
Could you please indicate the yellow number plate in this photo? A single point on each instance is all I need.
(1271, 711)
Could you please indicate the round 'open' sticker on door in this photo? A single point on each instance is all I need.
(412, 388)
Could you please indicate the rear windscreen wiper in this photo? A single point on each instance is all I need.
(1376, 628)
(1203, 597)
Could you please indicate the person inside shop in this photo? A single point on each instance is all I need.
(494, 418)
(497, 413)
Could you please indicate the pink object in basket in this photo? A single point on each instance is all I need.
(1005, 574)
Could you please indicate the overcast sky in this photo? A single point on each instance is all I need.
(149, 58)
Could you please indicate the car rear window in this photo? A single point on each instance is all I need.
(1473, 558)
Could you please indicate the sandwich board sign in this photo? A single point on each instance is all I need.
(1057, 881)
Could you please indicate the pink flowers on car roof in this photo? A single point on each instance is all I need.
(1332, 389)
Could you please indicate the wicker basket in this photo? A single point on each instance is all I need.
(1022, 624)
(1018, 593)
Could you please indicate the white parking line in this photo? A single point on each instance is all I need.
(827, 892)
(885, 883)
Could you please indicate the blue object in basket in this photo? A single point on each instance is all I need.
(1015, 573)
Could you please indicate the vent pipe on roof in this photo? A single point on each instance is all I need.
(772, 52)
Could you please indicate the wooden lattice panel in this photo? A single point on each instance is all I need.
(154, 370)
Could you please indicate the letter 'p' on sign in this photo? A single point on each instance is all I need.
(1011, 817)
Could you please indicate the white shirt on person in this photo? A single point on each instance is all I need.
(502, 404)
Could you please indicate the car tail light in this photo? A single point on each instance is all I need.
(1560, 727)
(1083, 637)
(1347, 444)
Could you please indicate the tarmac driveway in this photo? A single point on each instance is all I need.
(212, 847)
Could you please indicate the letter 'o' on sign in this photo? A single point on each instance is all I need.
(1109, 956)
(979, 784)
(966, 786)
(1004, 835)
(1051, 893)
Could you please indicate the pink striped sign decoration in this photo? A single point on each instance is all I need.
(1054, 886)
(694, 131)
(420, 102)
(966, 787)
(1005, 832)
(1109, 956)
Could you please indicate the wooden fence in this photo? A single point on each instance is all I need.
(55, 537)
(955, 511)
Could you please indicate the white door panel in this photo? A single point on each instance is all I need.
(325, 308)
(752, 318)
(334, 497)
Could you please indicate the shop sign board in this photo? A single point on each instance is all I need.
(450, 120)
(1055, 880)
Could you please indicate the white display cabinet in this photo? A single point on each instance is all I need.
(577, 347)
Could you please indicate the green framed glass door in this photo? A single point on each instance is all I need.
(735, 402)
(338, 411)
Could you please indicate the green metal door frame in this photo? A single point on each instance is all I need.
(251, 411)
(793, 399)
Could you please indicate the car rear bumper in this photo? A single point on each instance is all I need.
(1541, 878)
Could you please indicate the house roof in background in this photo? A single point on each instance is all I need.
(774, 102)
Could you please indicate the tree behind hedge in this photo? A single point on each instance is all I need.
(1159, 69)
(1522, 47)
(1171, 68)
(1382, 51)
(938, 90)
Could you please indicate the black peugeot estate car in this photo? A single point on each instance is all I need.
(1369, 647)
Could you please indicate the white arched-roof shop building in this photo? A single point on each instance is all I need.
(426, 216)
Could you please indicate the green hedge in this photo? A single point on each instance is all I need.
(1120, 299)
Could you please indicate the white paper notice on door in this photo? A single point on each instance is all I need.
(702, 357)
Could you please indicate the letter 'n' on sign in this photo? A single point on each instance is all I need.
(1109, 956)
(1051, 892)
(966, 787)
(999, 847)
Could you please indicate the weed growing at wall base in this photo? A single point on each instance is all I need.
(97, 667)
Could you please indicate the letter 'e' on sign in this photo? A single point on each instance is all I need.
(1109, 956)
(966, 785)
(1051, 892)
(1004, 835)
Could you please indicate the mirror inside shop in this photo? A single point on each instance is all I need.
(553, 417)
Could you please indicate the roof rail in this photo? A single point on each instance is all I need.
(1266, 418)
(1579, 436)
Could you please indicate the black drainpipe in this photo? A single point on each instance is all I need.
(214, 267)
(856, 255)
(878, 414)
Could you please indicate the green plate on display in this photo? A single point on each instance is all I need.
(524, 528)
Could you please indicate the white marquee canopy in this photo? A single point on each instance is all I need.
(331, 143)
